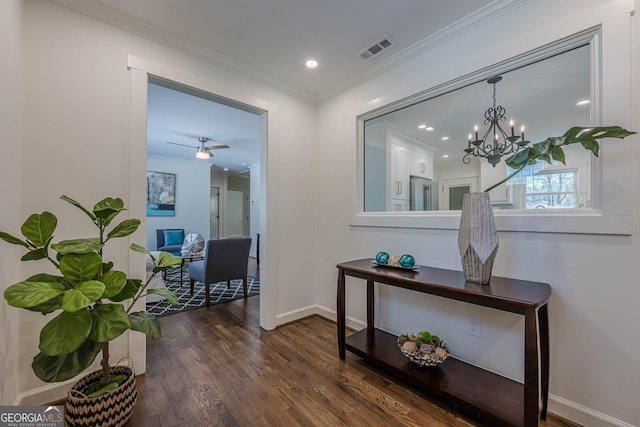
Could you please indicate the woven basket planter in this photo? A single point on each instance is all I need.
(112, 409)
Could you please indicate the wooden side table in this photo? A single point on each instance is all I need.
(489, 397)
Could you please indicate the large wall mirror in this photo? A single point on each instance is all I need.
(413, 150)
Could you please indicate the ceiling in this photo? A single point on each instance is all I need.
(274, 37)
(269, 40)
(181, 118)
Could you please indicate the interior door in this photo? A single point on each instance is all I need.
(454, 189)
(214, 224)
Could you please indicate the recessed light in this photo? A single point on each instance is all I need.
(311, 63)
(444, 156)
(429, 128)
(225, 169)
(422, 126)
(583, 102)
(445, 138)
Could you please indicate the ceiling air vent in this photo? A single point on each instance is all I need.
(383, 43)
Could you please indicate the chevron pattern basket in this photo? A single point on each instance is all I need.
(112, 409)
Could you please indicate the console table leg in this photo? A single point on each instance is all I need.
(531, 394)
(543, 325)
(340, 312)
(370, 311)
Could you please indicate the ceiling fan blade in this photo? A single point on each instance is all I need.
(216, 147)
(182, 145)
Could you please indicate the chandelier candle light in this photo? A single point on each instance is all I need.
(494, 150)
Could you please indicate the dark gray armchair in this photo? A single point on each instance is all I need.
(170, 246)
(224, 260)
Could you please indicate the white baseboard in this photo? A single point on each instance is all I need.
(320, 310)
(46, 394)
(581, 414)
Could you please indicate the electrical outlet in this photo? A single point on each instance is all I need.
(474, 327)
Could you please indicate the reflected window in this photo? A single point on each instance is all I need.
(424, 139)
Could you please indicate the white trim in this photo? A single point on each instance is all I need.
(613, 214)
(460, 27)
(268, 155)
(581, 414)
(161, 36)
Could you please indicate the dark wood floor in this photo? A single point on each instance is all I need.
(215, 367)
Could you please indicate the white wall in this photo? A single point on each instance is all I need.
(10, 216)
(193, 196)
(76, 95)
(595, 356)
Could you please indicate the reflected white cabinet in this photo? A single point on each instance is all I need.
(399, 184)
(489, 175)
(399, 205)
(421, 165)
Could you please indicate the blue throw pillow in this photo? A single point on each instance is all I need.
(173, 237)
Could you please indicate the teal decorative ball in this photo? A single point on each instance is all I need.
(407, 261)
(382, 258)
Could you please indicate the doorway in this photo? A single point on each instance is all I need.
(453, 191)
(214, 217)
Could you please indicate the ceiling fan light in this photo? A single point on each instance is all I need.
(202, 154)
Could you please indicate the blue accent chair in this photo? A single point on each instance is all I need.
(171, 246)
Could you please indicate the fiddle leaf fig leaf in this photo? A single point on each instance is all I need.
(35, 254)
(63, 367)
(166, 260)
(65, 333)
(30, 294)
(113, 281)
(39, 228)
(126, 227)
(146, 323)
(49, 306)
(80, 267)
(170, 296)
(78, 205)
(107, 207)
(78, 246)
(106, 267)
(137, 248)
(128, 291)
(83, 295)
(109, 322)
(13, 240)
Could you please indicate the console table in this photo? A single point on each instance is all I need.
(489, 397)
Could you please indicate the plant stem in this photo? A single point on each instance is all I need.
(138, 294)
(516, 172)
(105, 364)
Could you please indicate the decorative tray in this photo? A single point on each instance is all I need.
(399, 267)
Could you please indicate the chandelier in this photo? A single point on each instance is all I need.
(498, 143)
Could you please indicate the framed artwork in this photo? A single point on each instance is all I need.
(161, 194)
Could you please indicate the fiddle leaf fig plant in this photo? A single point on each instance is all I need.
(92, 301)
(552, 148)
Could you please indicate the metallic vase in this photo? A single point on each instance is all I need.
(477, 238)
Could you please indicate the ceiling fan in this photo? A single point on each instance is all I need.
(203, 151)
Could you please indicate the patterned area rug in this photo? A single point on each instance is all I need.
(219, 293)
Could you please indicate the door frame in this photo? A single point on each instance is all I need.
(470, 181)
(203, 80)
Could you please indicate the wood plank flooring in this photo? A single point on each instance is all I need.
(215, 367)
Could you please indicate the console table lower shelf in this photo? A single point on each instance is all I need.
(480, 393)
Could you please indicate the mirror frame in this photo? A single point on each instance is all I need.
(611, 211)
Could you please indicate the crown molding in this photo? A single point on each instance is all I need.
(462, 26)
(166, 38)
(151, 32)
